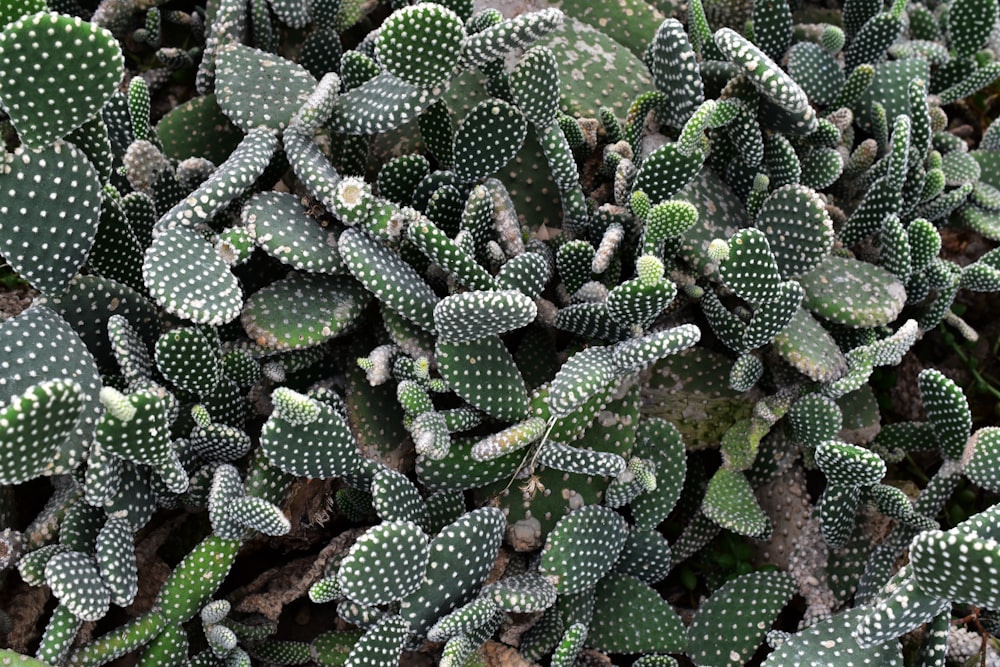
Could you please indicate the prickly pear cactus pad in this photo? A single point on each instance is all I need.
(77, 66)
(48, 245)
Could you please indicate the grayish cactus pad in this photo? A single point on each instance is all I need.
(831, 642)
(269, 98)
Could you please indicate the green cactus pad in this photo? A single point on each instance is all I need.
(645, 556)
(534, 86)
(387, 563)
(636, 354)
(472, 315)
(666, 171)
(476, 614)
(116, 560)
(47, 244)
(750, 268)
(461, 556)
(510, 439)
(969, 23)
(568, 458)
(631, 617)
(498, 40)
(523, 593)
(582, 548)
(851, 292)
(982, 452)
(813, 419)
(322, 447)
(900, 608)
(729, 501)
(845, 464)
(487, 138)
(831, 642)
(798, 229)
(396, 498)
(528, 273)
(634, 303)
(381, 644)
(675, 71)
(379, 104)
(78, 67)
(198, 128)
(39, 421)
(394, 282)
(586, 373)
(250, 101)
(948, 411)
(806, 345)
(302, 310)
(190, 359)
(280, 226)
(954, 565)
(741, 611)
(76, 583)
(186, 276)
(457, 470)
(442, 250)
(483, 372)
(421, 44)
(889, 87)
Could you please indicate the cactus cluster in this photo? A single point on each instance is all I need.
(500, 322)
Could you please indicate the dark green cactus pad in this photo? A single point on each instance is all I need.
(528, 273)
(458, 471)
(816, 70)
(534, 86)
(573, 261)
(309, 438)
(524, 593)
(953, 565)
(585, 374)
(226, 488)
(483, 372)
(398, 178)
(660, 442)
(674, 68)
(394, 282)
(772, 27)
(36, 344)
(831, 642)
(198, 128)
(851, 292)
(488, 138)
(813, 419)
(116, 253)
(469, 316)
(590, 320)
(19, 8)
(190, 359)
(186, 276)
(387, 563)
(645, 556)
(900, 608)
(76, 583)
(947, 410)
(466, 619)
(270, 97)
(48, 244)
(116, 560)
(729, 501)
(302, 310)
(421, 44)
(750, 268)
(969, 24)
(582, 548)
(635, 354)
(984, 446)
(437, 129)
(797, 227)
(396, 498)
(666, 171)
(282, 228)
(461, 556)
(39, 421)
(381, 645)
(382, 103)
(445, 252)
(771, 317)
(78, 68)
(769, 79)
(889, 87)
(80, 526)
(741, 611)
(845, 464)
(631, 617)
(634, 304)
